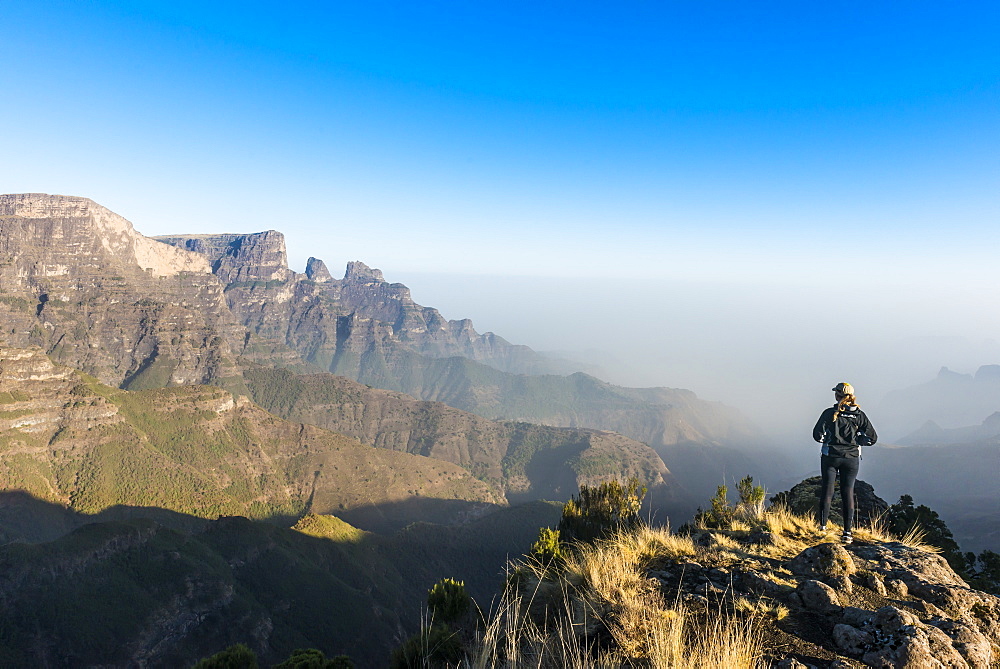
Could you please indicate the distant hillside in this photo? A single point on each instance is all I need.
(369, 330)
(192, 449)
(931, 434)
(959, 481)
(950, 400)
(525, 461)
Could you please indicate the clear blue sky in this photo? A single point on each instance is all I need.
(713, 142)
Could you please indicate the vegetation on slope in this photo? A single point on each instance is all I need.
(127, 593)
(197, 451)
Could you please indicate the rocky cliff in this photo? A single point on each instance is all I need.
(334, 322)
(77, 280)
(367, 329)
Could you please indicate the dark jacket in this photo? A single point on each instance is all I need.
(843, 438)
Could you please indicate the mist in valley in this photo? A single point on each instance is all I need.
(773, 351)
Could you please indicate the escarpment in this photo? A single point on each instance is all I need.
(78, 281)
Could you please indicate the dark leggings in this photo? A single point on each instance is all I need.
(830, 466)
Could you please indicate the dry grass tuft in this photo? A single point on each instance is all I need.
(762, 606)
(603, 598)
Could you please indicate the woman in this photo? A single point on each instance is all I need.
(842, 429)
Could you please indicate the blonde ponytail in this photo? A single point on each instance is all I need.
(846, 391)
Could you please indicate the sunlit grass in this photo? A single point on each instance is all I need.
(553, 617)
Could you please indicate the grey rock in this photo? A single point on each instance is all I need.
(851, 640)
(819, 597)
(895, 587)
(825, 562)
(872, 581)
(791, 663)
(760, 537)
(969, 641)
(857, 617)
(756, 582)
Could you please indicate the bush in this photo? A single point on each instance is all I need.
(548, 549)
(235, 657)
(751, 496)
(602, 510)
(437, 646)
(720, 515)
(448, 600)
(311, 658)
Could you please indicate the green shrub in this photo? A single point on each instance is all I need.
(602, 510)
(448, 600)
(721, 513)
(751, 496)
(548, 549)
(437, 646)
(234, 657)
(311, 658)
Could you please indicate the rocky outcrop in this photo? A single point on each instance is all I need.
(78, 281)
(237, 258)
(803, 499)
(59, 235)
(316, 271)
(877, 602)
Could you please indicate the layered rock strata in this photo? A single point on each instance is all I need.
(78, 281)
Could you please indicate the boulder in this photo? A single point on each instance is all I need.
(819, 597)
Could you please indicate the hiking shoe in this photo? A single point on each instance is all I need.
(846, 538)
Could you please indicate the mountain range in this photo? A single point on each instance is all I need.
(78, 282)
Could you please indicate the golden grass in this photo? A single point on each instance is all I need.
(551, 618)
(761, 606)
(604, 586)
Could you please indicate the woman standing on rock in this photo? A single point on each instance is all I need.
(842, 429)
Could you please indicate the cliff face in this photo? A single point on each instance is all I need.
(77, 280)
(372, 331)
(333, 322)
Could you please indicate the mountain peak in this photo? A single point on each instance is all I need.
(316, 271)
(63, 227)
(256, 256)
(359, 271)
